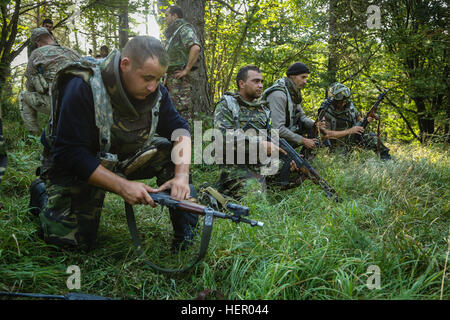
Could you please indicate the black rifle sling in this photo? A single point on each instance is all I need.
(206, 236)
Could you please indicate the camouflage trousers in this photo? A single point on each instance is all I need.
(237, 181)
(72, 215)
(180, 93)
(30, 103)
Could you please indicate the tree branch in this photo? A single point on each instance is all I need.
(228, 6)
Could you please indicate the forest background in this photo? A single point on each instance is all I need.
(368, 45)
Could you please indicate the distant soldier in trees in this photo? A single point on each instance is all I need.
(42, 66)
(285, 98)
(341, 118)
(104, 51)
(183, 48)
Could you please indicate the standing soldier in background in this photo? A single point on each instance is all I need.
(42, 66)
(285, 98)
(48, 24)
(183, 48)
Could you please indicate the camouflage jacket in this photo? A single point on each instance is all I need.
(44, 63)
(287, 113)
(232, 112)
(338, 120)
(180, 37)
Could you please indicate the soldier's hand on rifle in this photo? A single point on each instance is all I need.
(137, 193)
(309, 143)
(320, 125)
(294, 166)
(356, 130)
(179, 187)
(269, 148)
(180, 73)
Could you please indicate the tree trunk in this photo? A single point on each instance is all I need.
(93, 33)
(123, 24)
(425, 120)
(333, 58)
(194, 13)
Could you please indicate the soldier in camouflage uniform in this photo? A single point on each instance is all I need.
(341, 118)
(183, 47)
(285, 98)
(111, 124)
(42, 66)
(47, 24)
(233, 111)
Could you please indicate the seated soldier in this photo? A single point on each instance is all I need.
(285, 102)
(114, 125)
(341, 119)
(42, 66)
(234, 111)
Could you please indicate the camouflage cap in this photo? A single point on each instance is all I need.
(37, 32)
(339, 91)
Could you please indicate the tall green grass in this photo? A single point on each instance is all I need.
(394, 215)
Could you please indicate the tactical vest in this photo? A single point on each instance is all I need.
(281, 85)
(339, 120)
(125, 135)
(242, 115)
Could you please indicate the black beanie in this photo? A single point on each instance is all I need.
(297, 68)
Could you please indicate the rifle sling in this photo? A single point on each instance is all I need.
(206, 236)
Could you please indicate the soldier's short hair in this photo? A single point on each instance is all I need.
(176, 10)
(243, 73)
(47, 21)
(140, 48)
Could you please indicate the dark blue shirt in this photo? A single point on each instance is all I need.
(77, 136)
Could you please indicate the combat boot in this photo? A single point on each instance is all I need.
(38, 197)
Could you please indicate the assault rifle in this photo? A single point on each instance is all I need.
(164, 199)
(238, 211)
(301, 163)
(371, 113)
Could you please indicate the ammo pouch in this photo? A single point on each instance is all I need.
(136, 161)
(143, 155)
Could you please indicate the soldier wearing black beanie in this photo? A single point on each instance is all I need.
(297, 68)
(285, 101)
